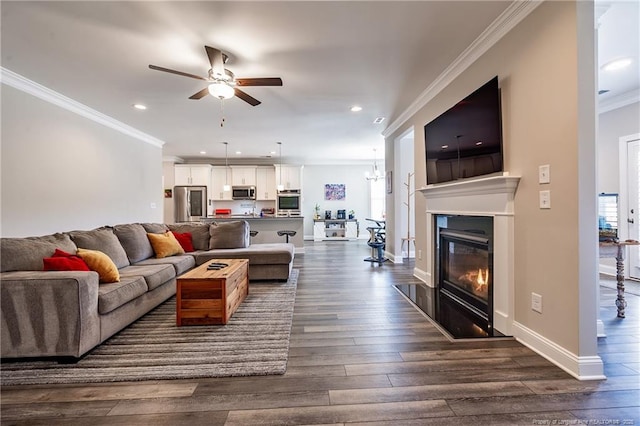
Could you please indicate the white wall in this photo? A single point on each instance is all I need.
(357, 192)
(62, 172)
(611, 126)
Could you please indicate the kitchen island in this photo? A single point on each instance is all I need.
(268, 226)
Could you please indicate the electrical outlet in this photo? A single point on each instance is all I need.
(153, 205)
(536, 302)
(545, 199)
(419, 254)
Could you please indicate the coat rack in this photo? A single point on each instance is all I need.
(408, 238)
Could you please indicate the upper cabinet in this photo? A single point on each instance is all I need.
(192, 174)
(195, 174)
(220, 177)
(243, 175)
(265, 183)
(290, 177)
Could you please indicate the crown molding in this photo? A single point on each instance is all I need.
(619, 101)
(25, 85)
(504, 23)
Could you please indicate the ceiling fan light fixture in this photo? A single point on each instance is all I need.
(221, 90)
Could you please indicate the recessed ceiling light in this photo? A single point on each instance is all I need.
(356, 108)
(445, 146)
(478, 143)
(617, 64)
(238, 152)
(140, 106)
(272, 152)
(203, 152)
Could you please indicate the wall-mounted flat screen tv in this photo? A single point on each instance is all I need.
(466, 140)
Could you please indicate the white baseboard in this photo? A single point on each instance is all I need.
(423, 276)
(607, 269)
(600, 328)
(580, 367)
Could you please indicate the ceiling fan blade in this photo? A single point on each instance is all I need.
(201, 94)
(269, 81)
(216, 60)
(184, 74)
(247, 98)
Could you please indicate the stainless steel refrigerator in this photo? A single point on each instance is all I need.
(190, 203)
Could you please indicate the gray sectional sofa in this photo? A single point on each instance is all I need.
(67, 313)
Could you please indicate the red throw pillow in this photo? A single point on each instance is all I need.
(185, 240)
(63, 261)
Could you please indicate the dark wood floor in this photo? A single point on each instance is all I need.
(360, 354)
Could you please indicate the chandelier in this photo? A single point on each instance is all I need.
(376, 172)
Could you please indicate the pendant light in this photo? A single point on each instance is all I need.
(376, 172)
(226, 186)
(280, 186)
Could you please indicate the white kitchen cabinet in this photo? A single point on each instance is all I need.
(220, 176)
(266, 183)
(290, 177)
(192, 174)
(243, 175)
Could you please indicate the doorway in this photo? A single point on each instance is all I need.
(629, 151)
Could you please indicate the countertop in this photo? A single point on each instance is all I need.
(251, 217)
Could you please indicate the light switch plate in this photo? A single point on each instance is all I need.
(545, 199)
(544, 175)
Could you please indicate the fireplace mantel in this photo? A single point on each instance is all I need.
(490, 196)
(482, 186)
(485, 196)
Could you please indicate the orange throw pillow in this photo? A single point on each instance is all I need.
(101, 263)
(165, 245)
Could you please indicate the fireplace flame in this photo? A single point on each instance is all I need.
(483, 279)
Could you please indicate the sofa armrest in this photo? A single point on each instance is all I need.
(48, 313)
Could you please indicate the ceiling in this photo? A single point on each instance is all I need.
(379, 55)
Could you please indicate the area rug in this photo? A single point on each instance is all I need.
(254, 342)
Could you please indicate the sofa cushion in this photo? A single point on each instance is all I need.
(181, 263)
(26, 254)
(185, 240)
(112, 296)
(229, 235)
(156, 228)
(165, 245)
(199, 233)
(104, 240)
(63, 261)
(154, 275)
(101, 263)
(135, 243)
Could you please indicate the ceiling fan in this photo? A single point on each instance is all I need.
(222, 82)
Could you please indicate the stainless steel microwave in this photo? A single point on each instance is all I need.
(243, 192)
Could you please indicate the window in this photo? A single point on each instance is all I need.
(377, 194)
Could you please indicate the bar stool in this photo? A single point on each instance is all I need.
(253, 233)
(286, 233)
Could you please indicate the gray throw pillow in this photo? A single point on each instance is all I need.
(155, 228)
(133, 238)
(229, 235)
(26, 254)
(104, 240)
(199, 233)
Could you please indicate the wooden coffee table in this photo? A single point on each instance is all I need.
(206, 296)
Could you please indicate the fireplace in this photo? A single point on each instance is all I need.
(464, 295)
(451, 206)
